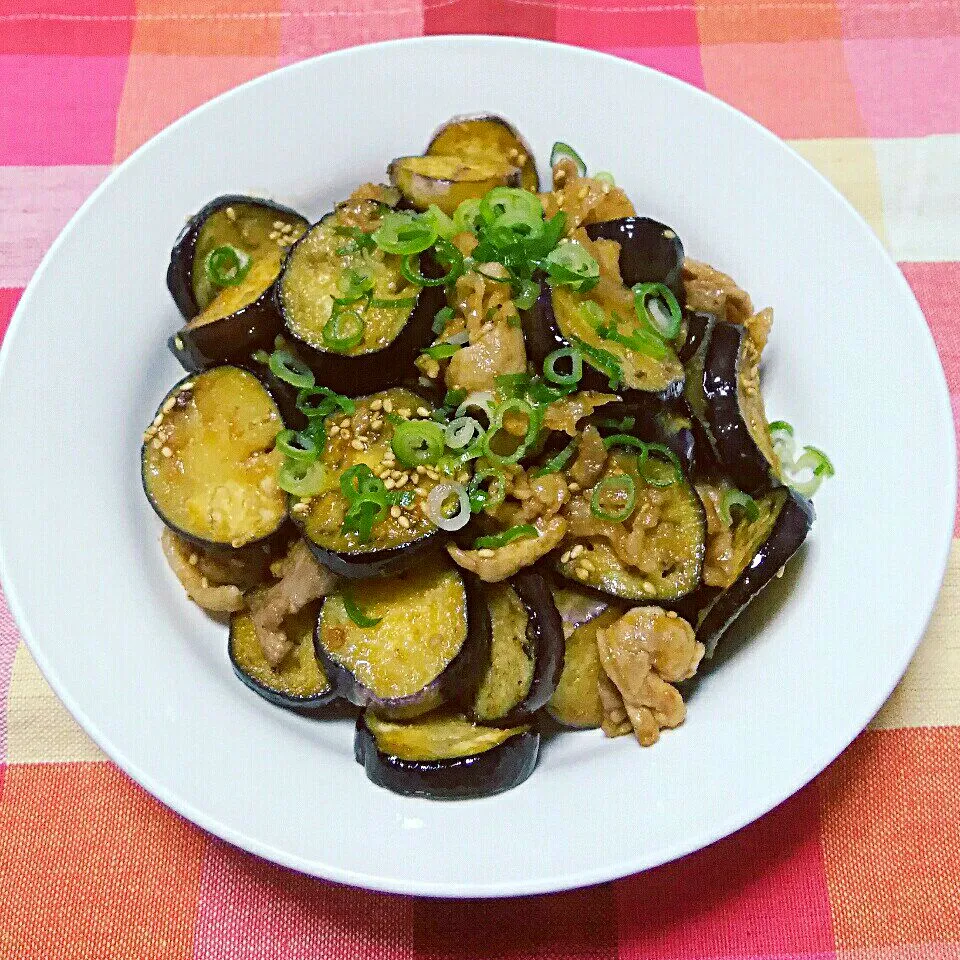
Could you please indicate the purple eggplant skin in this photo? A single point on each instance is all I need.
(366, 565)
(545, 637)
(231, 339)
(735, 449)
(462, 778)
(180, 270)
(650, 252)
(542, 335)
(655, 421)
(356, 376)
(788, 534)
(699, 327)
(459, 679)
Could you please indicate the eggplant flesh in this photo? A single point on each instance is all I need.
(446, 181)
(650, 252)
(430, 644)
(668, 523)
(733, 408)
(786, 519)
(526, 654)
(396, 542)
(396, 316)
(209, 463)
(444, 756)
(558, 319)
(247, 224)
(487, 137)
(652, 420)
(298, 681)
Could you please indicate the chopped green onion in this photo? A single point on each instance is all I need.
(301, 479)
(627, 423)
(818, 460)
(362, 515)
(497, 540)
(418, 442)
(526, 294)
(621, 483)
(625, 440)
(260, 356)
(664, 324)
(512, 385)
(557, 463)
(344, 331)
(404, 234)
(602, 360)
(322, 401)
(461, 432)
(487, 499)
(593, 313)
(356, 614)
(510, 208)
(284, 365)
(781, 426)
(496, 425)
(402, 303)
(361, 239)
(297, 446)
(563, 151)
(643, 341)
(466, 218)
(354, 286)
(742, 501)
(569, 264)
(442, 351)
(444, 226)
(605, 177)
(576, 366)
(446, 253)
(367, 483)
(664, 457)
(226, 266)
(443, 317)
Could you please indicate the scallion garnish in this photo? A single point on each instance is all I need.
(660, 458)
(509, 208)
(488, 498)
(569, 264)
(621, 486)
(444, 226)
(466, 218)
(443, 317)
(284, 365)
(297, 446)
(496, 425)
(418, 442)
(441, 351)
(405, 234)
(401, 303)
(446, 253)
(497, 540)
(625, 440)
(319, 402)
(557, 463)
(359, 240)
(344, 330)
(301, 479)
(656, 305)
(226, 266)
(737, 499)
(525, 294)
(356, 614)
(354, 286)
(461, 432)
(576, 366)
(563, 151)
(603, 360)
(604, 176)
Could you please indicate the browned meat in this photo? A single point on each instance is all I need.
(215, 597)
(564, 415)
(495, 565)
(591, 459)
(498, 349)
(710, 290)
(300, 580)
(644, 653)
(584, 199)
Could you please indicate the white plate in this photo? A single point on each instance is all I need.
(851, 364)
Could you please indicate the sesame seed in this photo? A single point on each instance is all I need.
(157, 444)
(404, 522)
(574, 487)
(388, 405)
(287, 228)
(204, 582)
(395, 512)
(344, 423)
(167, 452)
(273, 235)
(389, 483)
(576, 551)
(647, 586)
(486, 553)
(377, 423)
(582, 573)
(672, 614)
(421, 490)
(300, 507)
(565, 558)
(432, 474)
(178, 343)
(193, 559)
(582, 193)
(169, 405)
(404, 413)
(184, 387)
(231, 213)
(345, 434)
(421, 469)
(423, 412)
(780, 572)
(377, 404)
(334, 430)
(357, 444)
(147, 436)
(158, 419)
(402, 481)
(587, 565)
(605, 189)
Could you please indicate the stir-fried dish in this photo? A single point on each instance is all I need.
(469, 454)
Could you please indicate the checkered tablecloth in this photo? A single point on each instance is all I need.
(863, 864)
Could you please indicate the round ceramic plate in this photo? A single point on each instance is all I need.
(851, 364)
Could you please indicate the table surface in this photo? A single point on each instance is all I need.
(864, 863)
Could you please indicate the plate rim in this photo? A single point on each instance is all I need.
(572, 879)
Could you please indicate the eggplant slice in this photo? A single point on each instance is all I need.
(652, 420)
(444, 756)
(209, 464)
(650, 252)
(666, 530)
(226, 324)
(391, 321)
(733, 408)
(576, 701)
(430, 642)
(486, 138)
(298, 681)
(396, 541)
(559, 319)
(446, 181)
(526, 655)
(762, 547)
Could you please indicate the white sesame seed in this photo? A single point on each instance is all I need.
(422, 491)
(158, 419)
(423, 412)
(344, 423)
(404, 413)
(357, 444)
(672, 614)
(576, 551)
(388, 405)
(169, 404)
(377, 404)
(582, 574)
(193, 559)
(574, 487)
(486, 553)
(178, 343)
(334, 430)
(402, 481)
(157, 444)
(404, 522)
(277, 224)
(167, 452)
(395, 512)
(274, 235)
(565, 557)
(231, 213)
(389, 483)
